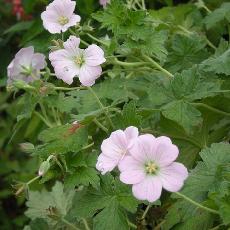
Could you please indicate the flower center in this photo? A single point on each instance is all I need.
(26, 70)
(79, 60)
(151, 168)
(63, 20)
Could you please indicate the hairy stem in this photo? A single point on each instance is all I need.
(70, 225)
(211, 109)
(196, 203)
(128, 64)
(96, 39)
(100, 125)
(102, 107)
(146, 211)
(156, 65)
(48, 123)
(68, 89)
(85, 224)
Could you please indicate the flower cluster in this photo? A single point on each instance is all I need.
(69, 62)
(145, 162)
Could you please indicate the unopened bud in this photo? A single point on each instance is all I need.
(22, 85)
(27, 147)
(44, 167)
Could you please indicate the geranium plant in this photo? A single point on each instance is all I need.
(120, 97)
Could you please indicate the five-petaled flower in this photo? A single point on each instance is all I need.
(115, 148)
(59, 16)
(26, 66)
(73, 61)
(151, 167)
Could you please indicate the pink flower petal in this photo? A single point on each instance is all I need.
(72, 22)
(166, 152)
(24, 55)
(132, 176)
(38, 61)
(64, 7)
(129, 163)
(105, 164)
(112, 150)
(173, 176)
(149, 189)
(143, 148)
(88, 74)
(131, 170)
(72, 45)
(94, 55)
(131, 132)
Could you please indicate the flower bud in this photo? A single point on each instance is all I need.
(22, 85)
(27, 147)
(44, 167)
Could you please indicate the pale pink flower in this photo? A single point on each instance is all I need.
(73, 61)
(151, 167)
(26, 65)
(59, 16)
(115, 148)
(104, 2)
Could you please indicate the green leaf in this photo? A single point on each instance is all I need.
(18, 27)
(203, 181)
(220, 61)
(129, 116)
(112, 217)
(50, 206)
(83, 176)
(62, 139)
(112, 195)
(218, 15)
(183, 113)
(185, 52)
(151, 42)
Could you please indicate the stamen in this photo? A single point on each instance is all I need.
(79, 60)
(151, 168)
(63, 20)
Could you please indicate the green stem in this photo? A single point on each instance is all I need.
(146, 211)
(96, 39)
(88, 146)
(185, 30)
(85, 224)
(155, 64)
(132, 225)
(82, 41)
(50, 74)
(100, 125)
(68, 89)
(70, 225)
(32, 180)
(102, 106)
(190, 140)
(129, 64)
(43, 119)
(22, 188)
(210, 43)
(143, 5)
(59, 164)
(211, 109)
(196, 203)
(207, 9)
